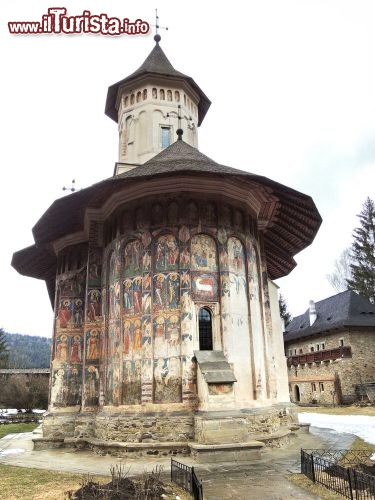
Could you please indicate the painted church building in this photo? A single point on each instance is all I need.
(167, 334)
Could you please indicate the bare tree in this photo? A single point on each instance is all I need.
(342, 272)
(25, 392)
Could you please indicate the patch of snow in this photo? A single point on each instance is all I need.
(362, 426)
(11, 451)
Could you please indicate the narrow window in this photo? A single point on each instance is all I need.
(144, 94)
(165, 137)
(317, 347)
(205, 330)
(323, 346)
(139, 96)
(313, 386)
(321, 386)
(312, 348)
(162, 94)
(341, 342)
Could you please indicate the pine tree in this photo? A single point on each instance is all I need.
(284, 313)
(3, 350)
(363, 254)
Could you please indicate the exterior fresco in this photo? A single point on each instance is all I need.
(204, 276)
(68, 355)
(132, 340)
(256, 321)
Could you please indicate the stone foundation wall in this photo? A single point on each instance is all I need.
(237, 427)
(145, 428)
(59, 425)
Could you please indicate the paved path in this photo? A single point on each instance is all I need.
(261, 479)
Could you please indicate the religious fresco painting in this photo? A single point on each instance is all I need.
(256, 316)
(131, 386)
(204, 276)
(167, 380)
(92, 345)
(91, 385)
(94, 305)
(114, 344)
(76, 349)
(203, 253)
(133, 255)
(166, 291)
(66, 386)
(166, 253)
(65, 313)
(95, 268)
(152, 286)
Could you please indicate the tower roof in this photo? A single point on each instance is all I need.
(155, 64)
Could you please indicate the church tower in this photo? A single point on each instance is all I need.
(150, 106)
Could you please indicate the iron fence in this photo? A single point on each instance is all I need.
(185, 476)
(347, 472)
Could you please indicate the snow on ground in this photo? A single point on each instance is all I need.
(11, 451)
(359, 425)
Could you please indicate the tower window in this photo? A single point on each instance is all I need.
(165, 137)
(205, 329)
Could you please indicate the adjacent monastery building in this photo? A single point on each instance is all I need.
(167, 336)
(330, 351)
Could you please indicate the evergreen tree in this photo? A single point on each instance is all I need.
(3, 350)
(284, 313)
(362, 256)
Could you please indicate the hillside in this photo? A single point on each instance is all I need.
(26, 351)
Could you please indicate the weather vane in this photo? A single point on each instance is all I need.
(156, 25)
(72, 188)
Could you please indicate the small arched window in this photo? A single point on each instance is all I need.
(205, 329)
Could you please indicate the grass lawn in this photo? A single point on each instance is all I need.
(19, 483)
(13, 428)
(338, 410)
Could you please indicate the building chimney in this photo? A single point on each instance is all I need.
(312, 312)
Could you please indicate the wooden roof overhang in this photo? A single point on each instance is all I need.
(288, 220)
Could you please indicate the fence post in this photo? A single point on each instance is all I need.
(348, 471)
(312, 467)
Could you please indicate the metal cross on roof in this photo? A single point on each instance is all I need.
(156, 25)
(72, 188)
